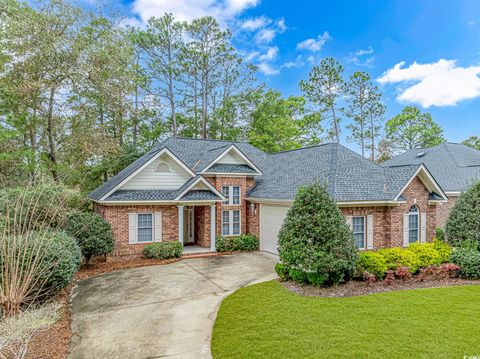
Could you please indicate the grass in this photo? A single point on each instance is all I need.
(268, 321)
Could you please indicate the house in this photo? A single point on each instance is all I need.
(193, 190)
(454, 166)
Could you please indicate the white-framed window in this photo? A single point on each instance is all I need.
(144, 227)
(358, 227)
(232, 193)
(413, 224)
(231, 223)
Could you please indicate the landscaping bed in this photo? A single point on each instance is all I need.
(357, 288)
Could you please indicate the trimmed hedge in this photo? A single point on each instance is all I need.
(163, 250)
(92, 232)
(426, 254)
(373, 263)
(315, 238)
(400, 257)
(469, 261)
(244, 242)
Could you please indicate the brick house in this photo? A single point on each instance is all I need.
(192, 191)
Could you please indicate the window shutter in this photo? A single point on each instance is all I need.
(132, 228)
(349, 220)
(158, 227)
(370, 231)
(423, 228)
(405, 230)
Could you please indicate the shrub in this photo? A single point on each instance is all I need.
(469, 262)
(163, 250)
(443, 271)
(298, 276)
(426, 253)
(38, 207)
(282, 271)
(444, 250)
(369, 278)
(35, 265)
(403, 273)
(399, 257)
(389, 277)
(371, 262)
(315, 237)
(463, 223)
(317, 279)
(244, 242)
(92, 232)
(440, 234)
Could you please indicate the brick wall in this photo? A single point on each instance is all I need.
(202, 226)
(117, 216)
(443, 210)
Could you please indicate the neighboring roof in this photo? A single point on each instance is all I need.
(230, 168)
(200, 195)
(454, 166)
(347, 175)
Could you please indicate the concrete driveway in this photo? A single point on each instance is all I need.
(163, 311)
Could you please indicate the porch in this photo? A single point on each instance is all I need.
(197, 228)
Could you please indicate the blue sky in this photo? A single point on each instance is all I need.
(425, 53)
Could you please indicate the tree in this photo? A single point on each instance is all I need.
(384, 151)
(463, 223)
(315, 239)
(277, 124)
(473, 142)
(413, 129)
(323, 89)
(365, 109)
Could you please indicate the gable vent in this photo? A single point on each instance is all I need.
(420, 154)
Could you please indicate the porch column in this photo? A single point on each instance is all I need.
(213, 221)
(180, 224)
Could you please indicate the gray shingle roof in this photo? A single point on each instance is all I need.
(347, 175)
(200, 195)
(454, 166)
(143, 195)
(230, 168)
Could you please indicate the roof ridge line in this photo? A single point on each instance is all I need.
(303, 148)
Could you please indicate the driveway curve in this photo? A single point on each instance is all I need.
(163, 311)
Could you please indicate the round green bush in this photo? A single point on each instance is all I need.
(317, 279)
(163, 250)
(463, 223)
(298, 276)
(243, 242)
(469, 262)
(315, 238)
(282, 271)
(400, 257)
(373, 263)
(444, 250)
(93, 233)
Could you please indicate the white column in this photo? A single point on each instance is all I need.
(180, 224)
(213, 221)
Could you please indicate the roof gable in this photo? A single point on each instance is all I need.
(231, 156)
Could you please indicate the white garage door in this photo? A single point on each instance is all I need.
(271, 219)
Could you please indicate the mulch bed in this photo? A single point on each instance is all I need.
(356, 288)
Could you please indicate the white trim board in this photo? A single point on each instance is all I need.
(234, 148)
(428, 182)
(159, 153)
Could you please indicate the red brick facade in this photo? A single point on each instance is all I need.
(387, 230)
(444, 209)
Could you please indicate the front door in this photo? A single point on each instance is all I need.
(189, 228)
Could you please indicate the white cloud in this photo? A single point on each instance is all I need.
(314, 45)
(361, 58)
(267, 69)
(297, 63)
(251, 55)
(265, 36)
(187, 10)
(270, 55)
(441, 83)
(472, 22)
(281, 25)
(255, 23)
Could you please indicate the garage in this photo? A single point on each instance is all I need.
(271, 219)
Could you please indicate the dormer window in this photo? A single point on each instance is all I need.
(162, 167)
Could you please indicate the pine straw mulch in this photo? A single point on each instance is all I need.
(54, 342)
(356, 288)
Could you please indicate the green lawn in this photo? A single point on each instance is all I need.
(267, 321)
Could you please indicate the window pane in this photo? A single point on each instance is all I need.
(236, 222)
(144, 227)
(225, 191)
(413, 235)
(144, 235)
(236, 228)
(359, 240)
(225, 223)
(225, 229)
(358, 226)
(236, 216)
(236, 195)
(413, 221)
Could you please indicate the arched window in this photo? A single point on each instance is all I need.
(413, 224)
(162, 167)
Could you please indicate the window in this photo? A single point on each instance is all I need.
(144, 227)
(358, 224)
(162, 167)
(413, 224)
(232, 193)
(230, 223)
